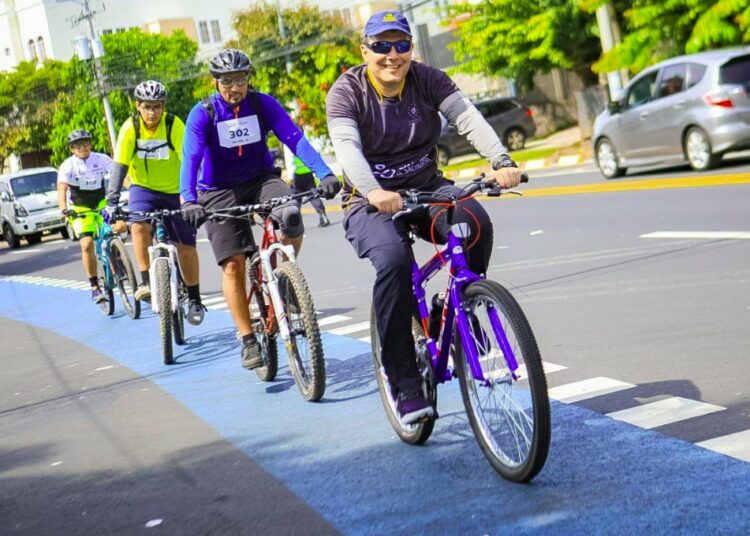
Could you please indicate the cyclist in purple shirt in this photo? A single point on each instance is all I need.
(226, 162)
(384, 124)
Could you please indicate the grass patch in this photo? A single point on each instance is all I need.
(518, 156)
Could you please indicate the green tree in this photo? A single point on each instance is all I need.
(321, 47)
(520, 38)
(130, 58)
(659, 29)
(28, 105)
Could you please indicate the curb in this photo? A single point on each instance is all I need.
(530, 165)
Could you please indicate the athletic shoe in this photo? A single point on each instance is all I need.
(251, 358)
(412, 407)
(143, 292)
(324, 221)
(196, 311)
(97, 296)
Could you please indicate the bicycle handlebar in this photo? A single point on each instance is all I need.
(414, 199)
(266, 206)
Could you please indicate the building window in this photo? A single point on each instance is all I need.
(107, 31)
(215, 31)
(7, 51)
(32, 50)
(41, 48)
(203, 30)
(120, 30)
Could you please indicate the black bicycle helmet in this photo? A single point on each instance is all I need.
(229, 60)
(150, 90)
(79, 134)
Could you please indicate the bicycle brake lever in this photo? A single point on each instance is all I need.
(514, 192)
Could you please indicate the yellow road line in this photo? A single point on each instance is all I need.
(617, 186)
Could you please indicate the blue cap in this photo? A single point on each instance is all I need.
(382, 21)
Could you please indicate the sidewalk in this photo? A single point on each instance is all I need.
(565, 147)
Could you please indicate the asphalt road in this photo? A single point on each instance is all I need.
(640, 301)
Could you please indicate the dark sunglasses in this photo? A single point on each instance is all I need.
(228, 81)
(384, 47)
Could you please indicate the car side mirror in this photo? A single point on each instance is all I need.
(614, 107)
(5, 196)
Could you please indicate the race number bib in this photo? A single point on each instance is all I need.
(153, 149)
(240, 131)
(90, 181)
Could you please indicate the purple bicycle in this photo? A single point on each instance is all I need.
(485, 333)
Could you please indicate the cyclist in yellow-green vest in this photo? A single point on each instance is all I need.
(303, 180)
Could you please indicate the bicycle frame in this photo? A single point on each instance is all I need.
(270, 246)
(102, 240)
(460, 277)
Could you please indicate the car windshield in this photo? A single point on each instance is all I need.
(736, 71)
(38, 183)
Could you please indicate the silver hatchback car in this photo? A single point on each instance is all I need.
(691, 108)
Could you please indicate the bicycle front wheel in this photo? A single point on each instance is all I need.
(106, 306)
(164, 295)
(178, 317)
(259, 318)
(304, 347)
(510, 416)
(124, 274)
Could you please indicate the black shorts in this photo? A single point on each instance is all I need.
(231, 236)
(303, 182)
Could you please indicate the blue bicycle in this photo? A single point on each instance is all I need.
(113, 268)
(483, 330)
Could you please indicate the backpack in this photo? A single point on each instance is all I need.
(255, 101)
(169, 120)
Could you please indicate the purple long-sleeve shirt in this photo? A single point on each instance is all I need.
(232, 149)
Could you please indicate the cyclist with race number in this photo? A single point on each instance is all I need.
(149, 149)
(384, 124)
(226, 162)
(82, 177)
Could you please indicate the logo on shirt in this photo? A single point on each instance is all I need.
(412, 114)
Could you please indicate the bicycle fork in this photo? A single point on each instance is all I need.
(271, 285)
(155, 252)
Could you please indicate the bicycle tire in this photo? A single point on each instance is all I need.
(533, 453)
(122, 268)
(164, 294)
(178, 317)
(269, 351)
(415, 434)
(107, 306)
(309, 371)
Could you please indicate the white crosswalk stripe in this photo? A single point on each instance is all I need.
(333, 319)
(589, 388)
(352, 328)
(664, 412)
(734, 445)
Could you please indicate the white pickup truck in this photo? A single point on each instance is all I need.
(28, 206)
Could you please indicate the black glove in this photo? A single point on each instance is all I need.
(64, 212)
(194, 214)
(330, 186)
(111, 213)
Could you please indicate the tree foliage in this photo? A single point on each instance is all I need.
(321, 47)
(659, 29)
(518, 39)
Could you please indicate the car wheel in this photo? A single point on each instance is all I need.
(64, 232)
(698, 150)
(442, 156)
(607, 160)
(34, 238)
(13, 240)
(515, 139)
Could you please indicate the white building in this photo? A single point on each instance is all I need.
(40, 29)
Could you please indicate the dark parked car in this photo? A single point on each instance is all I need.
(511, 119)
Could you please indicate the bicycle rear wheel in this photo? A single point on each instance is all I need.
(124, 274)
(305, 348)
(510, 417)
(107, 306)
(164, 295)
(414, 434)
(259, 318)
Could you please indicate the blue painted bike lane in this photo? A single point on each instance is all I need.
(341, 457)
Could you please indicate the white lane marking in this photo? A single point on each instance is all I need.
(549, 368)
(215, 299)
(664, 412)
(589, 388)
(534, 233)
(218, 306)
(734, 445)
(55, 464)
(104, 368)
(367, 339)
(709, 235)
(352, 328)
(333, 319)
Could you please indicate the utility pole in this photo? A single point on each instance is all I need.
(98, 50)
(282, 34)
(609, 32)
